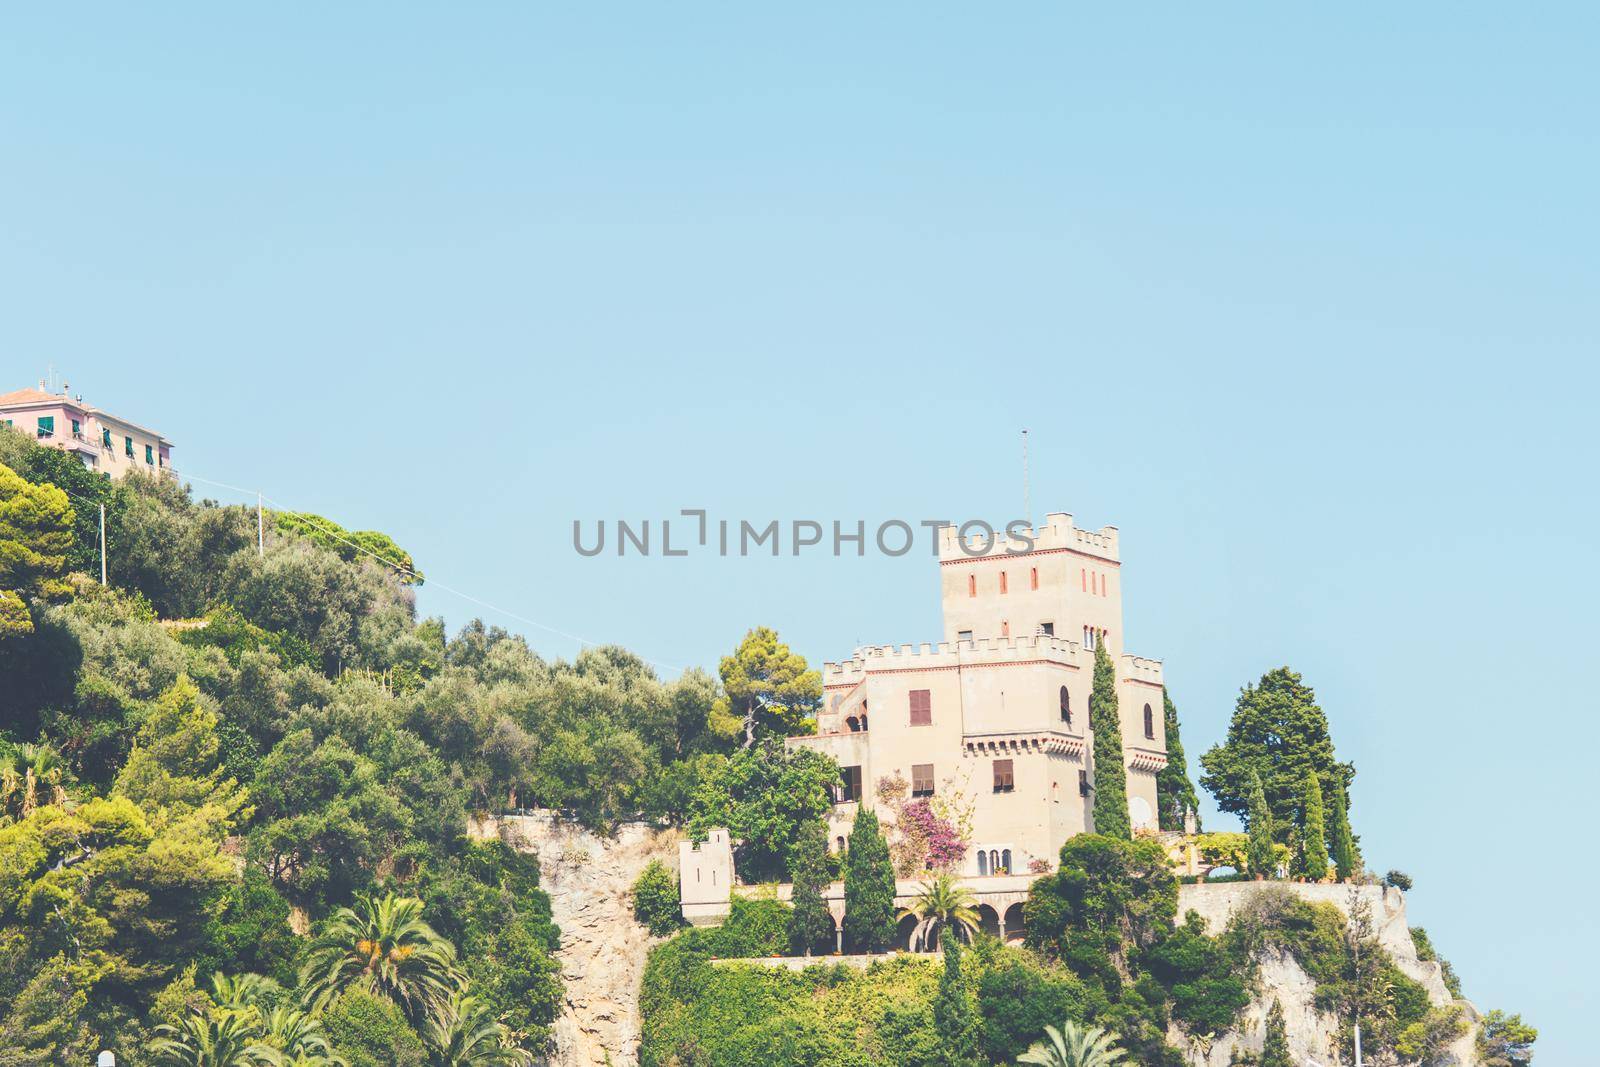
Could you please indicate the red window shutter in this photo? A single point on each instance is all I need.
(921, 707)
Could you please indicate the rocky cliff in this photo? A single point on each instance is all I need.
(589, 878)
(1311, 1033)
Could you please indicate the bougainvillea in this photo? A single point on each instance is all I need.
(939, 842)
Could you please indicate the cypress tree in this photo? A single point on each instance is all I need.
(1275, 1051)
(1346, 859)
(955, 1015)
(1312, 854)
(1261, 861)
(1110, 772)
(1174, 789)
(868, 887)
(810, 922)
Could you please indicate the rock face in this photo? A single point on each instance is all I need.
(589, 878)
(1312, 1035)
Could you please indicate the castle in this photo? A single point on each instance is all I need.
(993, 720)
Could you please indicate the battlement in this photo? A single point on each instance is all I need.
(947, 654)
(1057, 534)
(1139, 669)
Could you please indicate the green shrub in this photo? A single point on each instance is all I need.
(655, 899)
(754, 928)
(370, 1031)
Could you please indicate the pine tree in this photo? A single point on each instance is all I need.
(810, 922)
(955, 1014)
(1346, 858)
(1275, 1051)
(1110, 772)
(869, 918)
(1261, 861)
(1311, 857)
(1279, 733)
(1174, 789)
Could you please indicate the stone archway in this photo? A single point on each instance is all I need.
(903, 931)
(1014, 922)
(989, 920)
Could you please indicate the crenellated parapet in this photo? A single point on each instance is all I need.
(1057, 534)
(1133, 668)
(950, 655)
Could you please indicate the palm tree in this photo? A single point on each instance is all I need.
(241, 992)
(464, 1035)
(1073, 1046)
(30, 775)
(942, 902)
(384, 946)
(298, 1035)
(213, 1039)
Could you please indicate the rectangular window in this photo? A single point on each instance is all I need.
(1047, 628)
(77, 428)
(105, 438)
(963, 635)
(921, 707)
(849, 785)
(47, 425)
(1002, 582)
(149, 455)
(127, 447)
(1083, 783)
(1003, 781)
(922, 779)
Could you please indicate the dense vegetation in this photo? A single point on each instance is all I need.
(226, 745)
(1103, 949)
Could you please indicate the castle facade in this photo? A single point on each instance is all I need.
(994, 720)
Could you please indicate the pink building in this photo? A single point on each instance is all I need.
(101, 441)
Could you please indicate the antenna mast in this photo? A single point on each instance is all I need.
(1027, 502)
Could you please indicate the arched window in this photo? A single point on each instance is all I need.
(1066, 706)
(972, 585)
(1005, 628)
(1003, 588)
(994, 861)
(839, 844)
(1005, 861)
(863, 718)
(854, 724)
(1033, 577)
(1149, 723)
(983, 864)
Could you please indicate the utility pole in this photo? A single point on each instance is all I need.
(102, 544)
(1358, 1045)
(261, 529)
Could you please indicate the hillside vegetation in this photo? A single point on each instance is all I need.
(221, 748)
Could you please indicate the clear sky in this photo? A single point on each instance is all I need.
(1303, 302)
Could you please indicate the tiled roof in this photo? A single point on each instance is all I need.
(33, 396)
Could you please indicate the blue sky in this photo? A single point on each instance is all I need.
(1303, 302)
